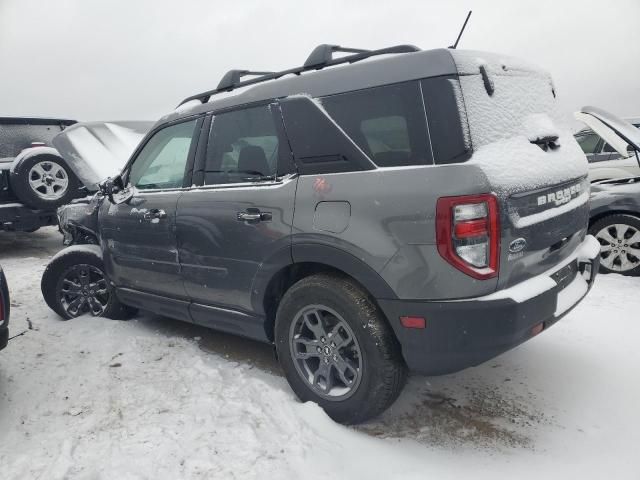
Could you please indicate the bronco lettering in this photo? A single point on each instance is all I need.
(560, 197)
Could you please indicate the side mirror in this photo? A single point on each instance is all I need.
(113, 187)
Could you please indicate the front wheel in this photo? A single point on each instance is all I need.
(619, 237)
(336, 348)
(74, 284)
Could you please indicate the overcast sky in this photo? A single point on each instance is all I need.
(136, 59)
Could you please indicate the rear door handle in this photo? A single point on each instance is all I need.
(253, 215)
(154, 213)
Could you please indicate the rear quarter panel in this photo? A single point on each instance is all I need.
(391, 224)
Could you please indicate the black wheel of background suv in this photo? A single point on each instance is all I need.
(44, 181)
(337, 350)
(619, 237)
(74, 284)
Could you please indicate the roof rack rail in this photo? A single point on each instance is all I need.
(232, 78)
(320, 57)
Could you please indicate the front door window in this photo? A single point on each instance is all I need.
(162, 162)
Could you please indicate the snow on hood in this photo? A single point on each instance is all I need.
(522, 108)
(617, 132)
(97, 150)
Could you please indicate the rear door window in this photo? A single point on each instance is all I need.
(387, 123)
(243, 146)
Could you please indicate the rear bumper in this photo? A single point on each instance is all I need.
(18, 217)
(461, 334)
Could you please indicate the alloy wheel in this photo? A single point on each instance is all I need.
(326, 352)
(83, 289)
(48, 180)
(619, 247)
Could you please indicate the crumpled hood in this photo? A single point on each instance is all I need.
(97, 150)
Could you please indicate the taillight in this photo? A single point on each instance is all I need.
(468, 233)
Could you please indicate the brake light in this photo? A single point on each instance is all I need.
(468, 233)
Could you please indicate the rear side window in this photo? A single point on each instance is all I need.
(387, 123)
(447, 118)
(243, 145)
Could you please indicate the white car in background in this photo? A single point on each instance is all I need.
(605, 163)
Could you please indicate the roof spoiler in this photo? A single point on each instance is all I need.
(320, 57)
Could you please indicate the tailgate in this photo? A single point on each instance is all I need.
(541, 228)
(525, 147)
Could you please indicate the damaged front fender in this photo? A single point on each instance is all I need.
(78, 221)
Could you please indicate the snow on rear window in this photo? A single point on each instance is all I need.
(502, 125)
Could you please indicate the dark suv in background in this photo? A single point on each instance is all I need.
(34, 178)
(403, 209)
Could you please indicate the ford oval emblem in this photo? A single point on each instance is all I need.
(517, 245)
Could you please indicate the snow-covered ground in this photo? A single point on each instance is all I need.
(158, 399)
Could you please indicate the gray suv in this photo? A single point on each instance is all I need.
(371, 214)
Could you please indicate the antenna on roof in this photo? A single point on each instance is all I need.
(461, 31)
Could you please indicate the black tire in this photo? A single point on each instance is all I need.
(618, 247)
(34, 197)
(64, 266)
(382, 374)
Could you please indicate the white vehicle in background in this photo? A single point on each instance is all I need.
(605, 163)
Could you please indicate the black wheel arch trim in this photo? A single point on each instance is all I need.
(345, 262)
(600, 213)
(330, 256)
(36, 151)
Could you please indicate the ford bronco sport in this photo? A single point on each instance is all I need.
(369, 214)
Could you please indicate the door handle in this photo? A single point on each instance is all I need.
(154, 213)
(253, 215)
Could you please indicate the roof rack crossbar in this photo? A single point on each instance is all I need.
(320, 57)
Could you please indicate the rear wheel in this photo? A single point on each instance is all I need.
(74, 284)
(619, 237)
(336, 348)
